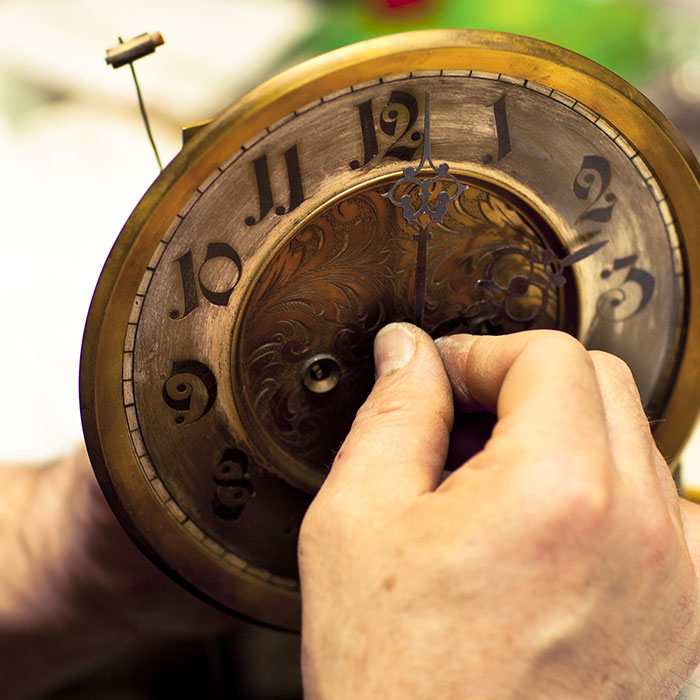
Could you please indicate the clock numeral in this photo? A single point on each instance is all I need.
(232, 487)
(611, 304)
(262, 180)
(500, 116)
(594, 179)
(369, 134)
(190, 391)
(231, 273)
(401, 105)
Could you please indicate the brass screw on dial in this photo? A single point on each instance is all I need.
(321, 374)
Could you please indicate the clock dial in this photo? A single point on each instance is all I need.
(480, 183)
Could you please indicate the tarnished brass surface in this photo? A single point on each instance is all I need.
(348, 272)
(229, 339)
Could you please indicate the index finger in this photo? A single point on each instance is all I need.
(543, 387)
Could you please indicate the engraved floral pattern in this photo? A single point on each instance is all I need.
(329, 290)
(349, 272)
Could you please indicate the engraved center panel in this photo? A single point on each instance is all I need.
(303, 346)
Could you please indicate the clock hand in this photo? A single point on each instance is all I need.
(422, 217)
(421, 280)
(556, 277)
(493, 310)
(431, 208)
(582, 253)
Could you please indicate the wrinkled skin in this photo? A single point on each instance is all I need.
(75, 592)
(558, 562)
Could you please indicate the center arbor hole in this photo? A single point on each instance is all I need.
(321, 374)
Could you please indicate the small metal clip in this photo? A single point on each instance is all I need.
(129, 51)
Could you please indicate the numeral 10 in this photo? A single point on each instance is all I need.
(193, 285)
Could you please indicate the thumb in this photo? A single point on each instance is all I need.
(398, 442)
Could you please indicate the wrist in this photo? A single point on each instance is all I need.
(56, 618)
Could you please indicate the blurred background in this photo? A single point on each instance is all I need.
(75, 159)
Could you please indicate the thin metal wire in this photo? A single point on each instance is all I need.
(142, 107)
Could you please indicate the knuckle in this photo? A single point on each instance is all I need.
(310, 550)
(581, 509)
(612, 365)
(551, 344)
(382, 403)
(331, 514)
(311, 525)
(331, 527)
(558, 339)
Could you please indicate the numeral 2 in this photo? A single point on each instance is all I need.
(595, 170)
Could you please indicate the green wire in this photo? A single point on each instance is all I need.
(142, 107)
(145, 116)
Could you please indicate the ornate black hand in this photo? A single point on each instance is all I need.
(425, 203)
(424, 215)
(541, 270)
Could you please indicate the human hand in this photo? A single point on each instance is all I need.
(74, 589)
(558, 562)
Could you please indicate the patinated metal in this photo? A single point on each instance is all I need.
(467, 181)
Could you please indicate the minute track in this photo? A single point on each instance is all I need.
(280, 314)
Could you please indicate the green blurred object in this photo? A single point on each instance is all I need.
(615, 33)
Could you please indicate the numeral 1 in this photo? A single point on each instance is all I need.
(500, 116)
(369, 134)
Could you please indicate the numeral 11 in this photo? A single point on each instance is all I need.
(262, 180)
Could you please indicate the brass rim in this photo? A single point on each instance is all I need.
(106, 431)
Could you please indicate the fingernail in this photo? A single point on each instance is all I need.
(394, 346)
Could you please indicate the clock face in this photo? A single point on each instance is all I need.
(465, 181)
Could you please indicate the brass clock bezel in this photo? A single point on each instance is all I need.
(104, 421)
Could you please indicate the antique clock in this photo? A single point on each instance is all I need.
(466, 181)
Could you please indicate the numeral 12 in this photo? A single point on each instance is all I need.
(404, 145)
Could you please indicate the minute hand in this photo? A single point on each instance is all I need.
(423, 216)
